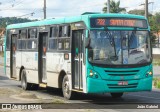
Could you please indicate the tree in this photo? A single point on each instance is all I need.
(12, 20)
(114, 7)
(154, 22)
(139, 12)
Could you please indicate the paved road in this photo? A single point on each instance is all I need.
(91, 101)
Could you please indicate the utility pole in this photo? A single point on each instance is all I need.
(108, 6)
(44, 9)
(146, 9)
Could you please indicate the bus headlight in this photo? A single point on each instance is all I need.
(150, 73)
(93, 74)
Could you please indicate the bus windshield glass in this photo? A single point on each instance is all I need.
(119, 47)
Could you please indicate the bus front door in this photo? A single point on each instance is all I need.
(42, 57)
(13, 55)
(77, 57)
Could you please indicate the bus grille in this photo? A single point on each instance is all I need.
(121, 72)
(116, 86)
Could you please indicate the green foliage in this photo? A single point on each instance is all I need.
(154, 22)
(12, 20)
(156, 82)
(114, 7)
(156, 62)
(137, 12)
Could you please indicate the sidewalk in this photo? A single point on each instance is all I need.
(156, 71)
(1, 61)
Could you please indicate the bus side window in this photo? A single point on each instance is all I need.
(64, 40)
(8, 40)
(32, 39)
(53, 38)
(32, 33)
(22, 39)
(23, 34)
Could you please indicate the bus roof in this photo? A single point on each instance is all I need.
(71, 19)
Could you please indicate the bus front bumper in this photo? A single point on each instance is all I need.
(103, 86)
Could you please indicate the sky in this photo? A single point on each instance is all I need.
(64, 8)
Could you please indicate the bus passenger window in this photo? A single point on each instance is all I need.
(60, 31)
(64, 38)
(67, 44)
(23, 34)
(60, 44)
(52, 44)
(32, 33)
(8, 40)
(32, 44)
(54, 32)
(21, 44)
(64, 31)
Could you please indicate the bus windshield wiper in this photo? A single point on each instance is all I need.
(112, 42)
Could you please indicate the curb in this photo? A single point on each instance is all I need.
(154, 88)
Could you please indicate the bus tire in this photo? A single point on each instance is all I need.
(34, 87)
(67, 93)
(25, 85)
(116, 95)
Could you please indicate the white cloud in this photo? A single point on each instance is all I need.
(63, 8)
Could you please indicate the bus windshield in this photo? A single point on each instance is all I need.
(119, 47)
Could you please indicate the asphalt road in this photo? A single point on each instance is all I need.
(100, 102)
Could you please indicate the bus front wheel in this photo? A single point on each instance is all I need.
(116, 95)
(24, 84)
(67, 93)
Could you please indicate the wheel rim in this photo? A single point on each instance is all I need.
(66, 88)
(23, 80)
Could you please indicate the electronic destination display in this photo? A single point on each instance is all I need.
(118, 22)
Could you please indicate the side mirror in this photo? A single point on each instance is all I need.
(87, 42)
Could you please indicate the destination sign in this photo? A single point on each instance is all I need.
(118, 22)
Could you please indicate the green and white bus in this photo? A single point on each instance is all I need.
(90, 53)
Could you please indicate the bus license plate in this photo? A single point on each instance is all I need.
(123, 83)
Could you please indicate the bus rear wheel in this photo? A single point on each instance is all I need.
(116, 95)
(24, 84)
(67, 93)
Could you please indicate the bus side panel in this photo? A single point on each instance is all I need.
(18, 64)
(30, 63)
(8, 64)
(55, 64)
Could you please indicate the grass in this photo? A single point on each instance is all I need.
(156, 82)
(156, 62)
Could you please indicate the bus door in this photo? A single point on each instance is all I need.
(77, 59)
(42, 48)
(13, 55)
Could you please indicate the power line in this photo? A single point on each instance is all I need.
(26, 15)
(13, 5)
(29, 14)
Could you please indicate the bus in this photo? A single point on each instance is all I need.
(90, 53)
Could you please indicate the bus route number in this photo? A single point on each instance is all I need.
(101, 22)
